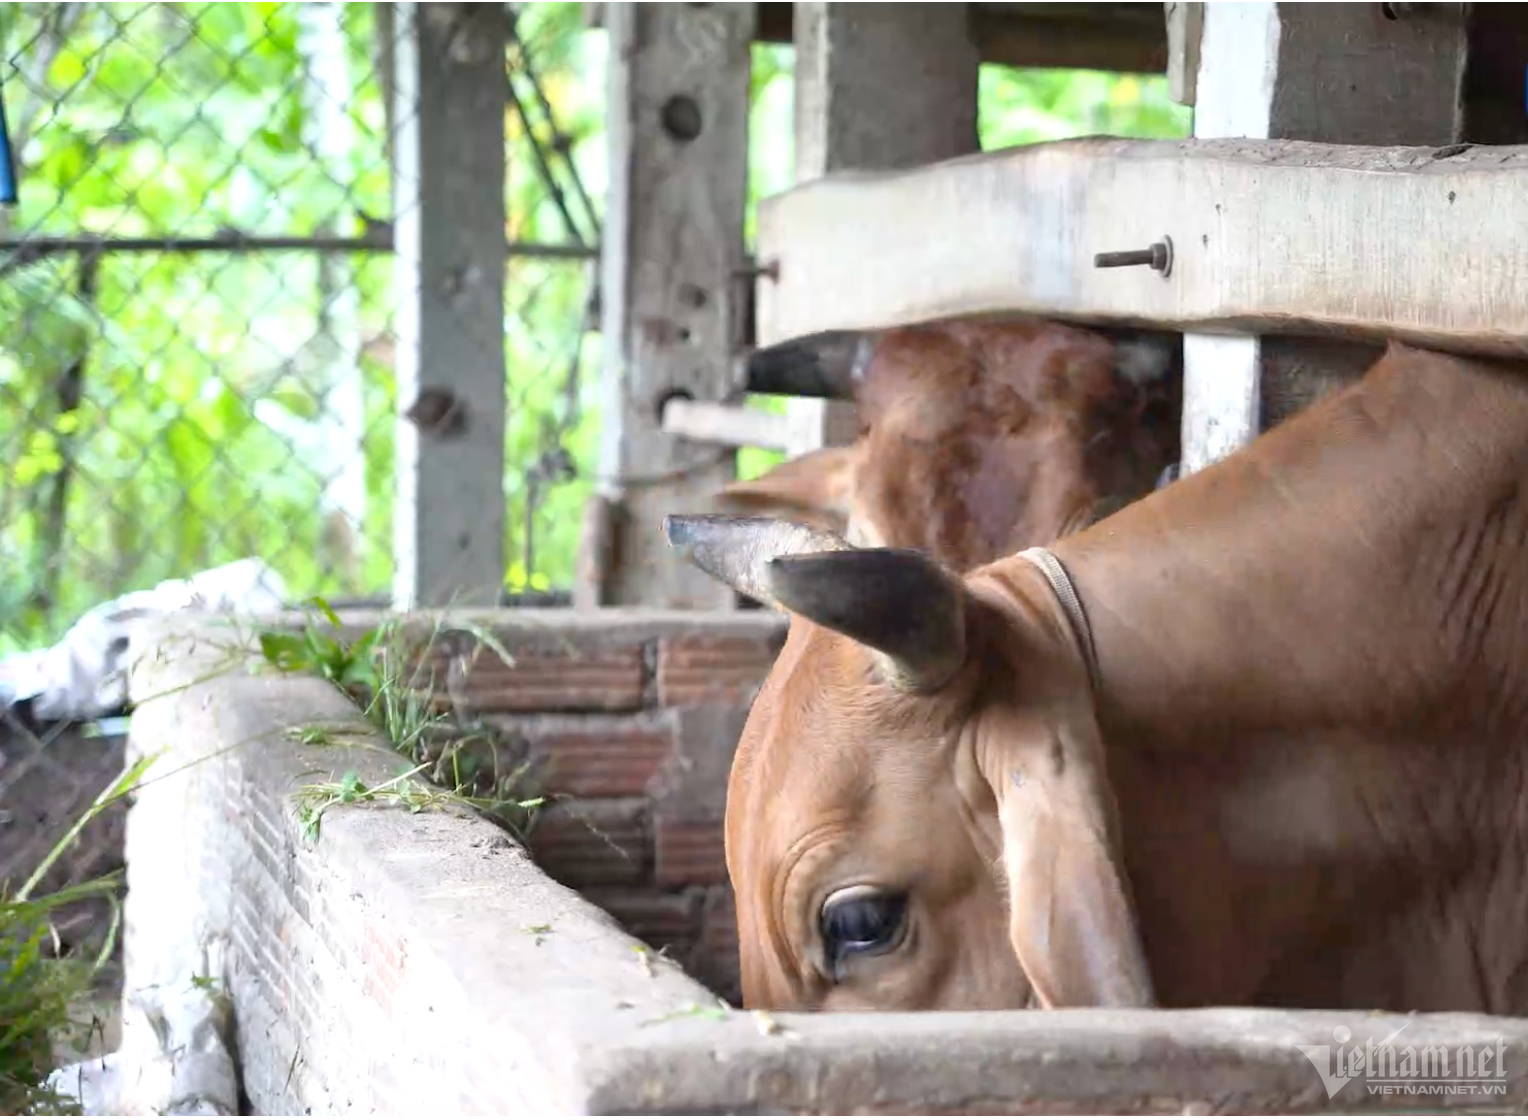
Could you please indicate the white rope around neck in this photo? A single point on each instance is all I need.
(1061, 584)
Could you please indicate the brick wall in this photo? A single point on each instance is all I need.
(428, 960)
(630, 729)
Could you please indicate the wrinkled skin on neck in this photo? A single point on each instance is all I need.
(981, 439)
(1301, 784)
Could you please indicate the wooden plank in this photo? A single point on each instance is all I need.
(1339, 73)
(730, 425)
(451, 252)
(1267, 235)
(1127, 38)
(878, 86)
(1124, 38)
(677, 144)
(1185, 28)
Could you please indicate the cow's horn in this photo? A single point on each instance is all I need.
(735, 550)
(898, 602)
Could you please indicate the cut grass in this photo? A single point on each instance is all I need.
(450, 764)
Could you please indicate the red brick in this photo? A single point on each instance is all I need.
(689, 853)
(378, 945)
(716, 964)
(382, 957)
(593, 843)
(566, 676)
(668, 923)
(706, 669)
(600, 756)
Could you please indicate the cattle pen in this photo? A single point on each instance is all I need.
(532, 909)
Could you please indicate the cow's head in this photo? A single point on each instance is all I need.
(979, 439)
(919, 814)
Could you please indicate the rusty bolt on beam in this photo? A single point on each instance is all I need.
(770, 270)
(1158, 256)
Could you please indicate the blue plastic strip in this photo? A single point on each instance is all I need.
(7, 162)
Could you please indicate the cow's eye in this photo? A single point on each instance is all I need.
(860, 920)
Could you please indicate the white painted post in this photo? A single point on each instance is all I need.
(1238, 61)
(878, 87)
(1337, 73)
(451, 246)
(677, 137)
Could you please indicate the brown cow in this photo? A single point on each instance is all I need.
(982, 438)
(1265, 745)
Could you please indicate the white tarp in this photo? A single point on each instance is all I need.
(174, 1059)
(84, 676)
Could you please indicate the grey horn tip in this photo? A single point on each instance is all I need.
(678, 529)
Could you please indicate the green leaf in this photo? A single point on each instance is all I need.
(320, 604)
(287, 652)
(298, 403)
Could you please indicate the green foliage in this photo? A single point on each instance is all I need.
(196, 372)
(38, 991)
(35, 997)
(185, 119)
(1028, 106)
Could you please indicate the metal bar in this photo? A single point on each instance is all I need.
(548, 179)
(561, 143)
(28, 248)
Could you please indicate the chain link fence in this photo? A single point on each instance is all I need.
(196, 304)
(197, 347)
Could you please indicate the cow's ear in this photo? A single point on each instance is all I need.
(903, 605)
(900, 603)
(1071, 915)
(814, 488)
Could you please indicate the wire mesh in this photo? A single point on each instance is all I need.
(196, 300)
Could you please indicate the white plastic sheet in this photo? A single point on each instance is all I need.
(84, 676)
(174, 1060)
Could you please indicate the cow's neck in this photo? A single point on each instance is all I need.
(1365, 566)
(1304, 652)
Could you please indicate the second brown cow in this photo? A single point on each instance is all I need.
(979, 439)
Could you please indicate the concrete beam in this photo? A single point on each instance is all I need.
(671, 304)
(451, 253)
(1267, 236)
(1120, 37)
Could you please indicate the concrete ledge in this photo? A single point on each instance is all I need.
(423, 961)
(394, 964)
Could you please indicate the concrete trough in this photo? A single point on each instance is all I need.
(404, 961)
